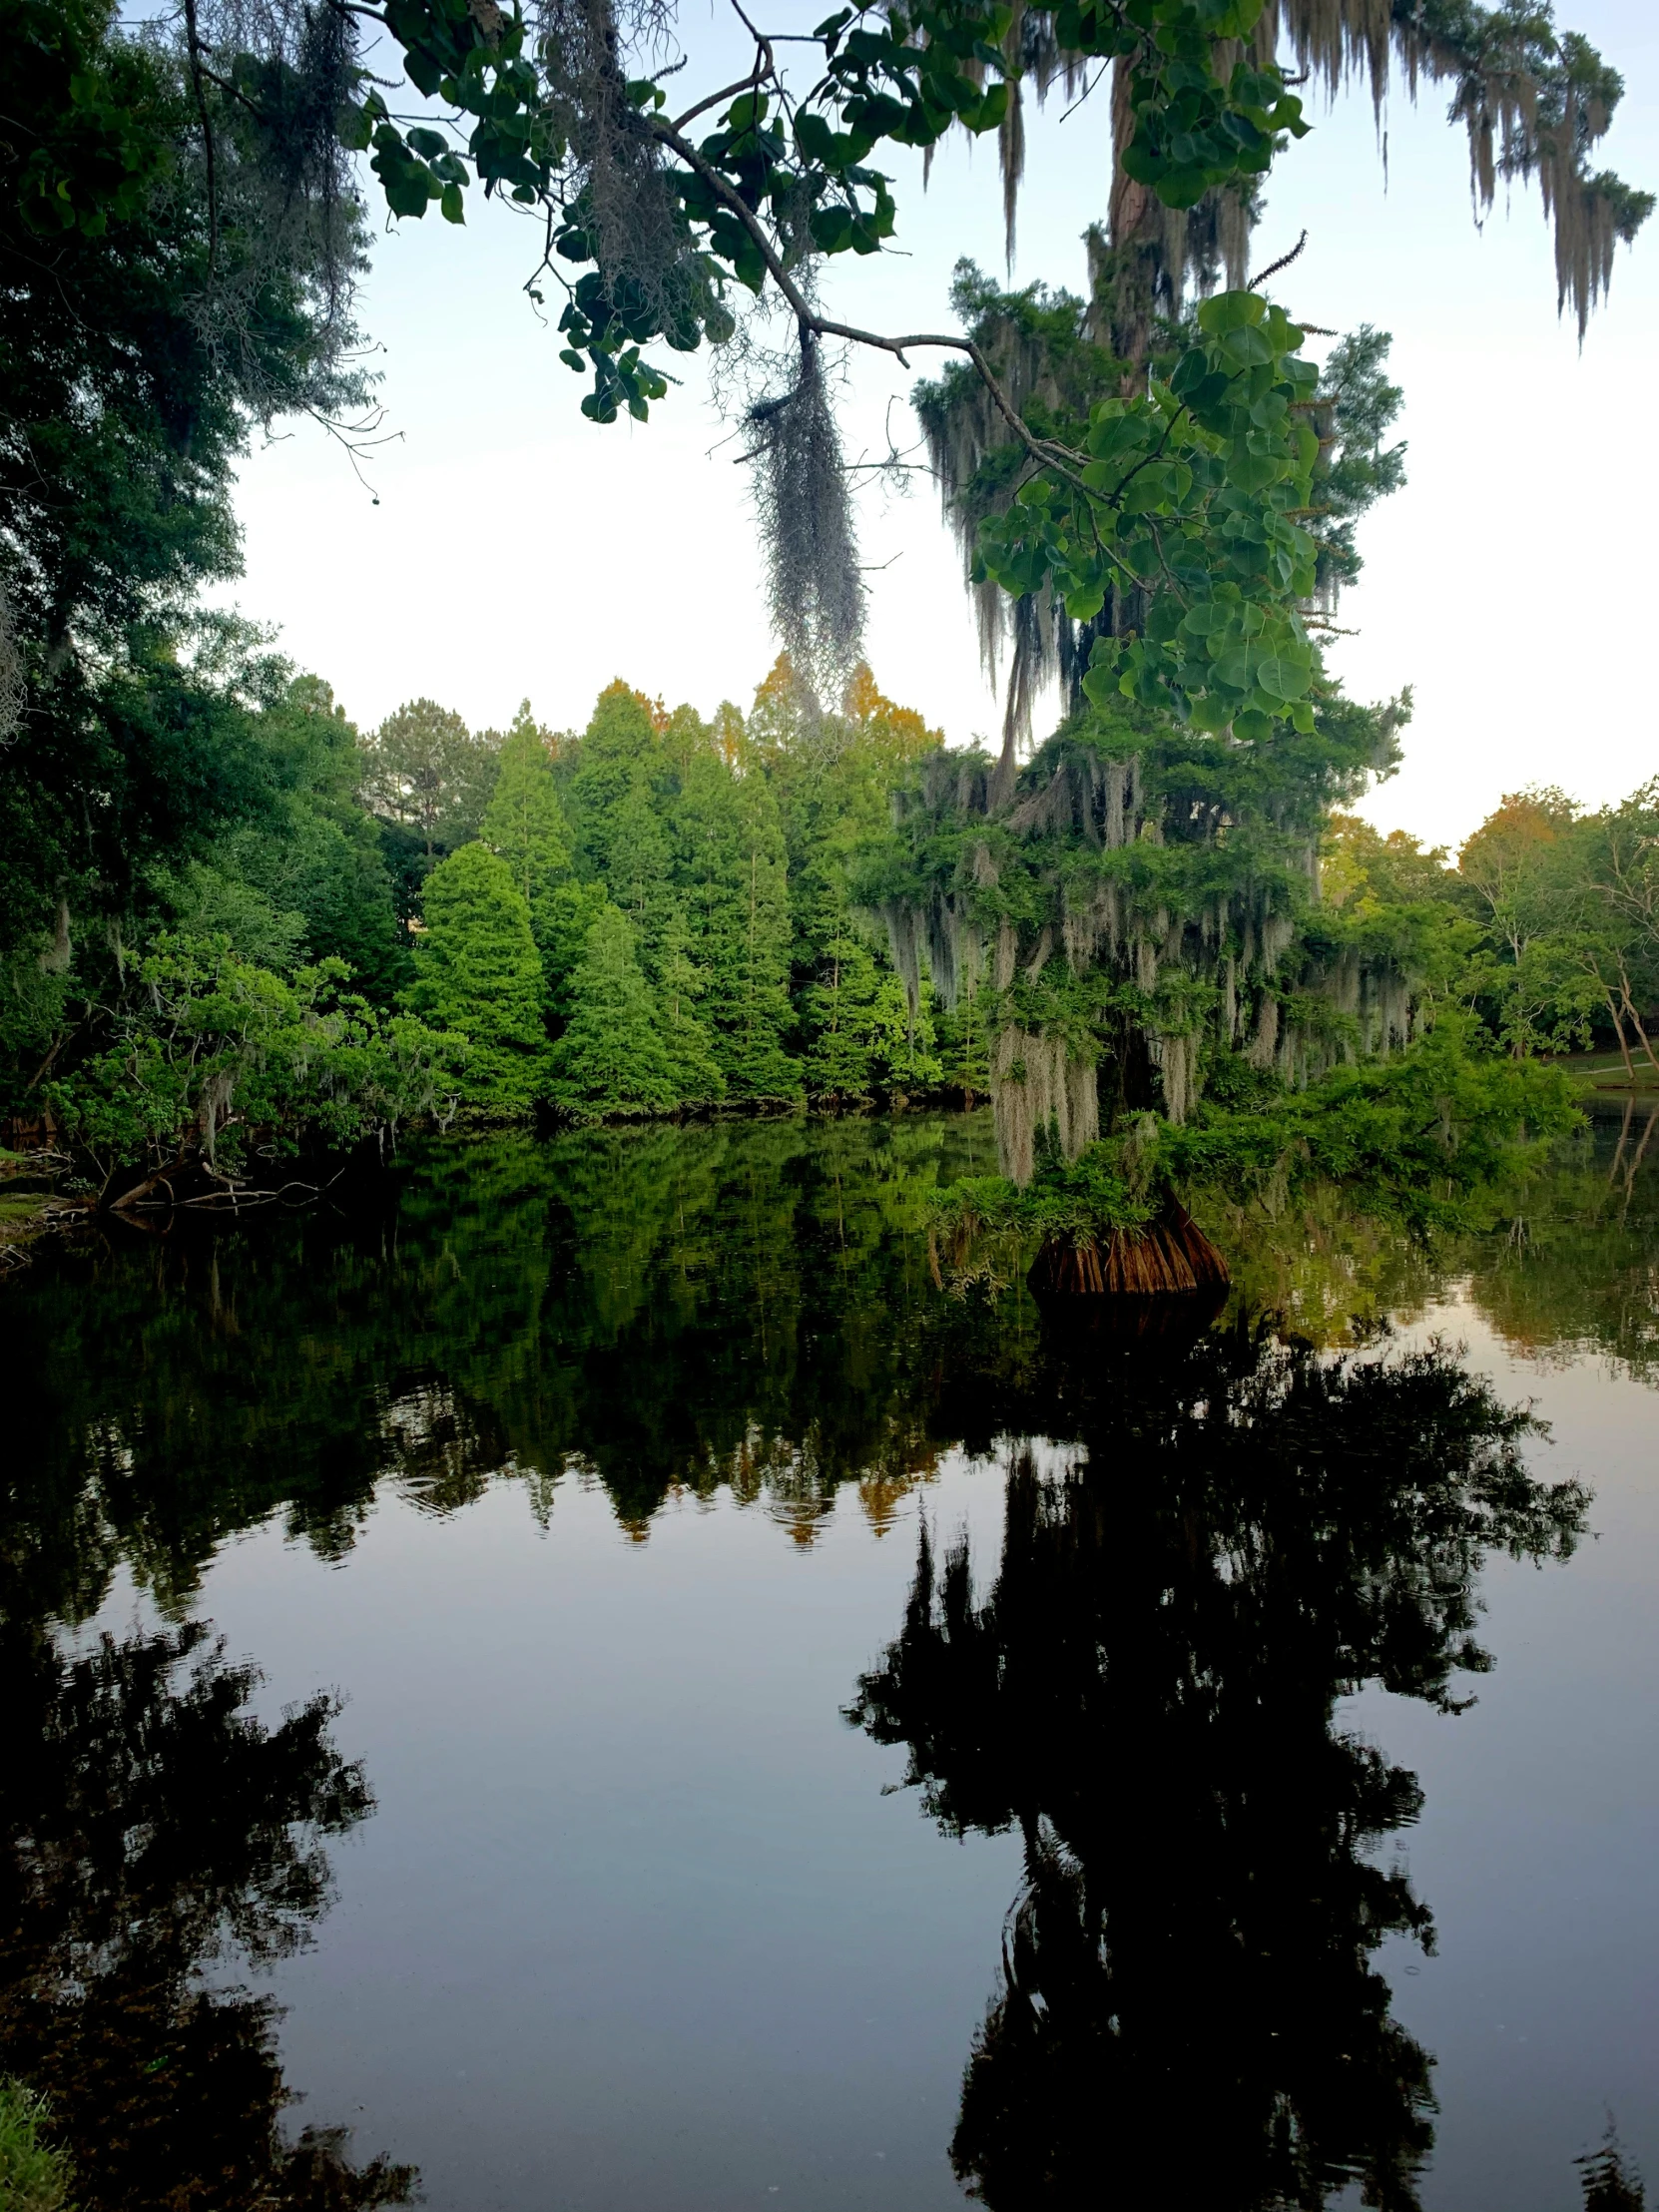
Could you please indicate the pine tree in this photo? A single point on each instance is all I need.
(477, 971)
(733, 874)
(613, 1057)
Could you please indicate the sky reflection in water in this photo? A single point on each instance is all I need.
(815, 1736)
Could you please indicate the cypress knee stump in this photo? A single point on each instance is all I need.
(1170, 1255)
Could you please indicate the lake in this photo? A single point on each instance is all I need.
(600, 1676)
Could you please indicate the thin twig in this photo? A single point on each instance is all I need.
(1272, 267)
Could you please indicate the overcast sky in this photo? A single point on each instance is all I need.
(518, 550)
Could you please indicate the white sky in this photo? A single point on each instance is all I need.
(519, 550)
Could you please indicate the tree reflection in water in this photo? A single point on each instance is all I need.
(1188, 2010)
(155, 1838)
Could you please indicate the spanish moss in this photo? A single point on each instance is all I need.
(803, 515)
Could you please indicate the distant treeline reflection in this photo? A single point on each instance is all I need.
(660, 1309)
(1225, 1528)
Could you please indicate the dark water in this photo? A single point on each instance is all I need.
(591, 1676)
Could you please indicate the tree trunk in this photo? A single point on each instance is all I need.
(1624, 1048)
(1636, 1020)
(1171, 1254)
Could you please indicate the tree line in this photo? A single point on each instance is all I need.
(659, 914)
(1546, 927)
(654, 915)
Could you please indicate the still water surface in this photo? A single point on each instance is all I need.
(600, 1678)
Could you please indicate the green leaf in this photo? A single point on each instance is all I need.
(1230, 311)
(1246, 348)
(1281, 679)
(816, 139)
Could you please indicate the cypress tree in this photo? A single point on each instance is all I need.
(611, 1058)
(697, 1077)
(477, 971)
(618, 752)
(525, 826)
(734, 880)
(637, 875)
(861, 1040)
(568, 912)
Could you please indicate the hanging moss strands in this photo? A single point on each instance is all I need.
(1142, 922)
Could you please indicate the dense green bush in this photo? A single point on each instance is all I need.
(208, 1057)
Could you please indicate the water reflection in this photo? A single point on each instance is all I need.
(1246, 1534)
(1244, 1525)
(741, 1307)
(155, 1840)
(666, 1311)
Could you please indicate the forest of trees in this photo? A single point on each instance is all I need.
(664, 913)
(650, 915)
(231, 926)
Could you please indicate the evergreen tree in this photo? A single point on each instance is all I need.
(697, 1077)
(524, 824)
(833, 776)
(862, 1041)
(637, 875)
(965, 1045)
(425, 771)
(476, 970)
(613, 1057)
(733, 873)
(618, 752)
(561, 924)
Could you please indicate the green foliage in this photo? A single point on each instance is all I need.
(424, 770)
(1547, 929)
(1442, 1138)
(865, 1040)
(907, 75)
(307, 879)
(477, 973)
(205, 1054)
(150, 315)
(524, 822)
(731, 870)
(1188, 496)
(613, 1057)
(681, 985)
(35, 2175)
